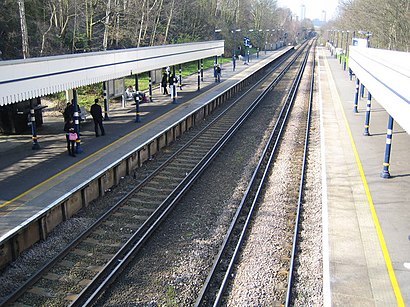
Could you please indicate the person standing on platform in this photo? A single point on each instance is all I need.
(164, 83)
(68, 115)
(71, 137)
(218, 73)
(96, 113)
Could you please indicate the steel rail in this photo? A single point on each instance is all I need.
(257, 181)
(301, 186)
(113, 269)
(36, 276)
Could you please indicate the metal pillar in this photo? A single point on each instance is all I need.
(150, 86)
(367, 122)
(137, 108)
(215, 64)
(105, 101)
(180, 76)
(362, 91)
(385, 173)
(202, 70)
(356, 96)
(233, 63)
(174, 86)
(199, 75)
(78, 148)
(34, 137)
(136, 83)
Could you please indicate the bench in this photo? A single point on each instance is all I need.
(84, 115)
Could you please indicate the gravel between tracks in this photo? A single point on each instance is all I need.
(170, 271)
(175, 265)
(261, 278)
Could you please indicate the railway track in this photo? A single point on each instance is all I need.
(213, 292)
(81, 272)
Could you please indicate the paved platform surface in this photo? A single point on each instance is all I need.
(366, 217)
(31, 180)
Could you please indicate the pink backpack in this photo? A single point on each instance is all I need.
(72, 136)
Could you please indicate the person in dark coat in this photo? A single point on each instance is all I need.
(71, 136)
(96, 113)
(68, 115)
(164, 83)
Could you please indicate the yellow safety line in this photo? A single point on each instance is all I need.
(97, 152)
(86, 158)
(380, 235)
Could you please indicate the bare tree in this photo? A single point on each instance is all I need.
(23, 27)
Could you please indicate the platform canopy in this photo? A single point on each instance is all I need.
(36, 77)
(386, 74)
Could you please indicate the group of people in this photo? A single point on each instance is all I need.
(168, 79)
(72, 133)
(133, 94)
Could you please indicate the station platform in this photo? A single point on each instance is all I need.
(30, 180)
(366, 242)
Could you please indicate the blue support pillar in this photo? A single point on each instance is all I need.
(367, 122)
(215, 64)
(202, 70)
(105, 101)
(199, 75)
(233, 62)
(385, 173)
(34, 137)
(150, 85)
(78, 148)
(356, 96)
(174, 86)
(180, 77)
(137, 108)
(362, 90)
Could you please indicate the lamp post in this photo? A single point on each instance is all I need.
(341, 46)
(247, 45)
(234, 40)
(216, 57)
(266, 38)
(259, 42)
(275, 38)
(347, 49)
(234, 48)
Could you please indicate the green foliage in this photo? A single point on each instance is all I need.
(170, 297)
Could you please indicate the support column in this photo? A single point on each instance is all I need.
(78, 148)
(35, 145)
(136, 83)
(137, 108)
(174, 86)
(105, 101)
(215, 64)
(150, 85)
(367, 122)
(180, 77)
(202, 70)
(199, 75)
(362, 90)
(356, 96)
(385, 173)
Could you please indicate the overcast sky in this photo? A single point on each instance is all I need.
(313, 7)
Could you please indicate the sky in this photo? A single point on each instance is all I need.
(313, 7)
